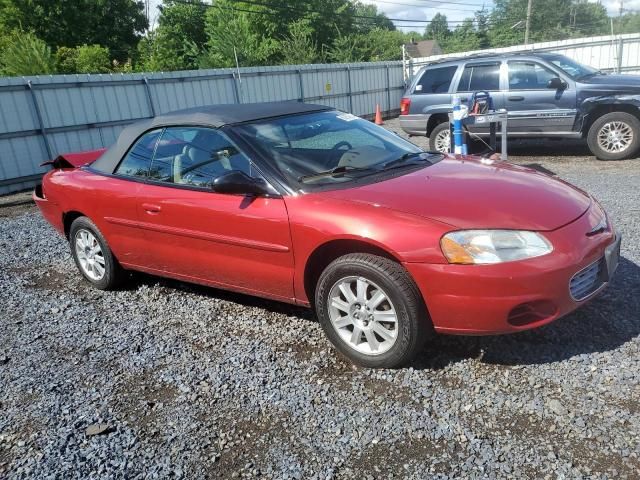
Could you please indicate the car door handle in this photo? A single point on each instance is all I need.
(516, 99)
(151, 208)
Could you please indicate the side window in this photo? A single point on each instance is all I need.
(137, 161)
(480, 77)
(435, 80)
(196, 156)
(529, 76)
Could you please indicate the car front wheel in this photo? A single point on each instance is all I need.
(372, 311)
(92, 255)
(614, 136)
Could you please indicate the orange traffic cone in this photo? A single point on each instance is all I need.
(378, 115)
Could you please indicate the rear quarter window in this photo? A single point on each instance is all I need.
(435, 80)
(137, 161)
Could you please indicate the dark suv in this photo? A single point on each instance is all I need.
(546, 95)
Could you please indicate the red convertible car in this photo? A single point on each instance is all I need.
(305, 204)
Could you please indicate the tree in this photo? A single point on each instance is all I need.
(298, 47)
(628, 23)
(114, 24)
(588, 18)
(379, 20)
(482, 28)
(26, 54)
(380, 45)
(178, 41)
(438, 29)
(325, 17)
(463, 38)
(230, 32)
(344, 49)
(550, 20)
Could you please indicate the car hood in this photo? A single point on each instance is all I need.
(467, 192)
(613, 83)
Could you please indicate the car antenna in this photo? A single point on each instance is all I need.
(235, 54)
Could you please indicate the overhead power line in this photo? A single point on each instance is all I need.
(367, 17)
(438, 7)
(362, 18)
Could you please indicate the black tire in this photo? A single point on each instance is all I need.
(434, 133)
(114, 274)
(625, 118)
(414, 325)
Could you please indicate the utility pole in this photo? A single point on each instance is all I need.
(528, 24)
(146, 14)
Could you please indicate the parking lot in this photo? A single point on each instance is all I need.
(167, 380)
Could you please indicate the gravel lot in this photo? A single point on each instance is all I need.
(169, 380)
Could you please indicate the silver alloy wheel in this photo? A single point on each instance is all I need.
(615, 137)
(89, 254)
(363, 316)
(442, 141)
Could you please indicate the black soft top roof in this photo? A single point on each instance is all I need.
(215, 116)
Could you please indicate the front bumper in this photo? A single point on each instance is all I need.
(516, 296)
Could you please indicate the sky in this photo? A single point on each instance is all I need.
(455, 10)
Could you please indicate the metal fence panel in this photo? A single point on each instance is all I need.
(41, 117)
(16, 112)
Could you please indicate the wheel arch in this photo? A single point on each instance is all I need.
(435, 120)
(327, 252)
(68, 218)
(596, 108)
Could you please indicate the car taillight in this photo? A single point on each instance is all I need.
(405, 103)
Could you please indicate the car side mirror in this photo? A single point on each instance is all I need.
(236, 182)
(556, 83)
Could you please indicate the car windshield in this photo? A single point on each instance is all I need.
(572, 68)
(327, 148)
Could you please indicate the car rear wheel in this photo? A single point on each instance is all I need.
(440, 138)
(372, 311)
(92, 255)
(614, 136)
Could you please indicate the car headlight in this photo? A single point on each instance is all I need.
(478, 247)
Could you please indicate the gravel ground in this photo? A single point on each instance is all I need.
(168, 380)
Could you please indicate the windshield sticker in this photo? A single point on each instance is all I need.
(347, 117)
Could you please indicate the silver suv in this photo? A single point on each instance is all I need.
(545, 94)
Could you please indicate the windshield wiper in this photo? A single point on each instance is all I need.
(423, 156)
(590, 74)
(340, 170)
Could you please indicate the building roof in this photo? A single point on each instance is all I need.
(423, 48)
(215, 116)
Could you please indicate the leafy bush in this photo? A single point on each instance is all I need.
(83, 59)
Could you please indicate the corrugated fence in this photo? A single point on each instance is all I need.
(41, 117)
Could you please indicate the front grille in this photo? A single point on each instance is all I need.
(587, 280)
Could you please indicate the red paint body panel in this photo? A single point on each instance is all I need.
(262, 245)
(230, 239)
(466, 193)
(476, 299)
